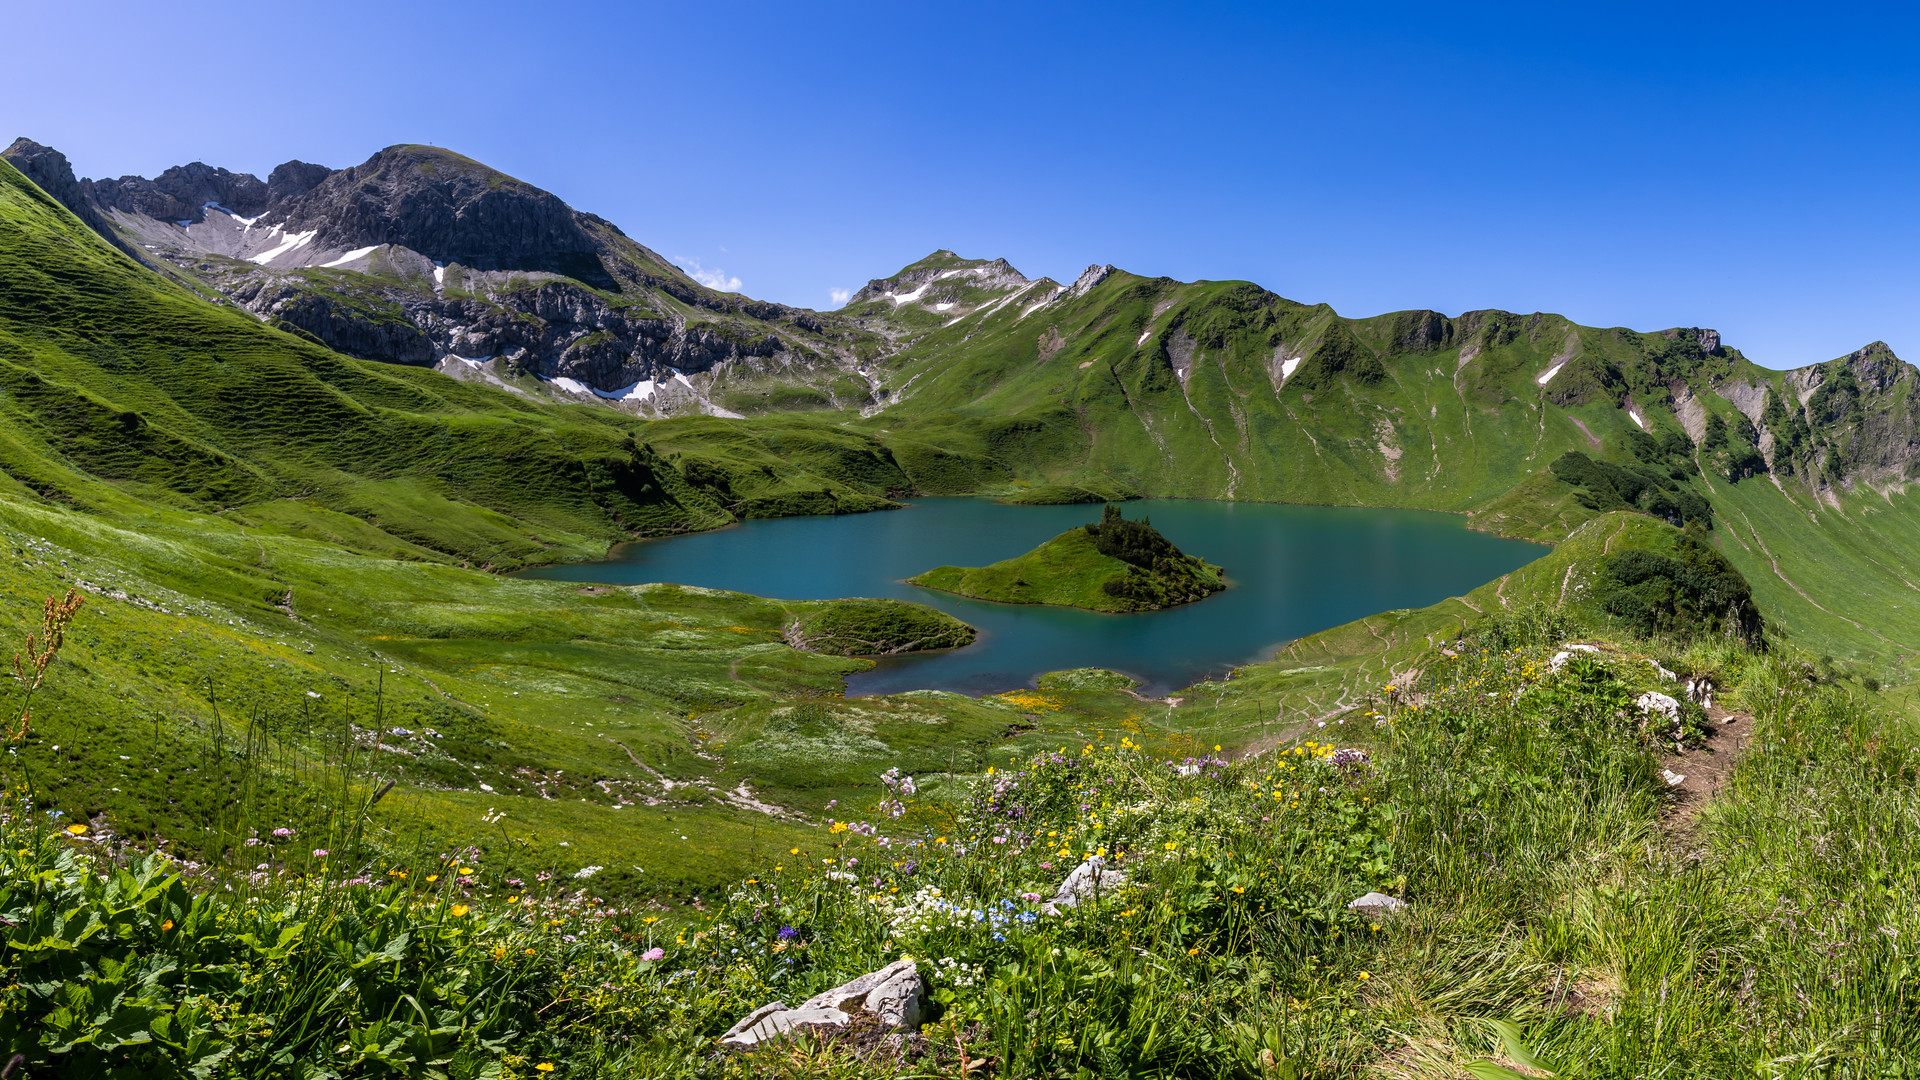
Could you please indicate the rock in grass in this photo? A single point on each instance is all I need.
(891, 994)
(1089, 879)
(1653, 702)
(1377, 903)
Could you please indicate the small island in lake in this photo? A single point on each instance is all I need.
(1115, 566)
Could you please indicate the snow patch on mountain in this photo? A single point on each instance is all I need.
(351, 256)
(292, 242)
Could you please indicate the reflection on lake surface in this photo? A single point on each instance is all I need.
(1293, 570)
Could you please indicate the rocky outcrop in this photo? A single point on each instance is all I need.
(892, 995)
(1091, 276)
(558, 329)
(448, 208)
(293, 179)
(182, 193)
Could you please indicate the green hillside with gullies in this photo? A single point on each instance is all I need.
(302, 782)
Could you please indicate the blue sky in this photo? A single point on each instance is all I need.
(1747, 168)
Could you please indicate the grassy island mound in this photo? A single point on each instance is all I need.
(1087, 678)
(1116, 566)
(863, 627)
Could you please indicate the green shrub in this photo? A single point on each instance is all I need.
(1691, 593)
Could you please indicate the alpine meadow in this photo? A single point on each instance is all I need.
(329, 753)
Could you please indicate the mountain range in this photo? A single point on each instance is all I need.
(961, 375)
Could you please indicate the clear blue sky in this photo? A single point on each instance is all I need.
(1749, 168)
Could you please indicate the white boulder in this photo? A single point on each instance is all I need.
(1652, 702)
(1090, 878)
(891, 994)
(1377, 903)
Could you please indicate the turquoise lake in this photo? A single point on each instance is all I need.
(1291, 570)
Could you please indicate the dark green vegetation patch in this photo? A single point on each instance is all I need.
(1657, 482)
(1690, 592)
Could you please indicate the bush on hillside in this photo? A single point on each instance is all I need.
(1693, 592)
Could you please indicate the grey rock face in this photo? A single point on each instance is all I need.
(557, 329)
(448, 208)
(892, 994)
(181, 193)
(1091, 276)
(294, 178)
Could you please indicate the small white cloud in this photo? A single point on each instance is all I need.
(712, 279)
(840, 296)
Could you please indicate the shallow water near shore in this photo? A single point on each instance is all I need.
(1292, 570)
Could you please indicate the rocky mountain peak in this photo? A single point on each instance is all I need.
(294, 178)
(946, 274)
(447, 207)
(1091, 276)
(182, 193)
(43, 165)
